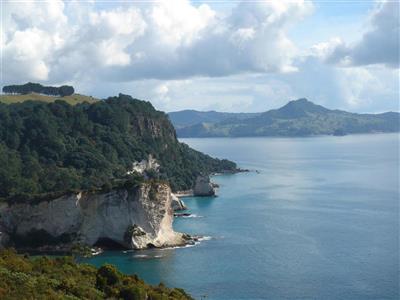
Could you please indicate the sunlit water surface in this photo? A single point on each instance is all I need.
(319, 220)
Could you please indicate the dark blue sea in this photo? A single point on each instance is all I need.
(318, 220)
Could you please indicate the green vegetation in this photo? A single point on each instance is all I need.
(22, 277)
(186, 118)
(47, 149)
(72, 99)
(297, 118)
(64, 90)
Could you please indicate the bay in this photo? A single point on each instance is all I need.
(318, 220)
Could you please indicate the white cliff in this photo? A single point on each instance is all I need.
(135, 219)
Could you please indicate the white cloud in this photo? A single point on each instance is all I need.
(357, 85)
(178, 23)
(181, 55)
(30, 35)
(378, 45)
(354, 88)
(162, 40)
(325, 49)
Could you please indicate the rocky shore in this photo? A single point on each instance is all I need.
(203, 187)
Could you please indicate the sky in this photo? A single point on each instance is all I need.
(236, 56)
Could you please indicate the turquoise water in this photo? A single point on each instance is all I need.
(319, 221)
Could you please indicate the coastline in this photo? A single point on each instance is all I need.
(186, 193)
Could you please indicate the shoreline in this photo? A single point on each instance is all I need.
(90, 251)
(186, 193)
(191, 193)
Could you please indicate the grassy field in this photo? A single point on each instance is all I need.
(72, 99)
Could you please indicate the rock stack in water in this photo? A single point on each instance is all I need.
(203, 186)
(177, 204)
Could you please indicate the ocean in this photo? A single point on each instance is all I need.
(316, 218)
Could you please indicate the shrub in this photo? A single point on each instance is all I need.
(22, 277)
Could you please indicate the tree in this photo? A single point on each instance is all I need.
(66, 90)
(30, 87)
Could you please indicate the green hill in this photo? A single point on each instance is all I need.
(56, 147)
(185, 118)
(72, 99)
(297, 118)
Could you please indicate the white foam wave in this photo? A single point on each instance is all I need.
(180, 247)
(192, 216)
(204, 238)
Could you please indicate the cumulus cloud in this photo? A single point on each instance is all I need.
(371, 88)
(181, 54)
(358, 89)
(378, 45)
(70, 41)
(29, 36)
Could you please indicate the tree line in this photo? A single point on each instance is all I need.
(64, 90)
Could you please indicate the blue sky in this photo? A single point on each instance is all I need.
(210, 55)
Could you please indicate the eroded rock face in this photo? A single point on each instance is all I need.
(177, 204)
(135, 219)
(203, 187)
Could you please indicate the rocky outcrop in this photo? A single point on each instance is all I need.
(149, 164)
(135, 219)
(177, 204)
(203, 186)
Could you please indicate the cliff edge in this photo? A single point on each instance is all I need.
(134, 218)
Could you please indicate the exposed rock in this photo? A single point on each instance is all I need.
(177, 204)
(182, 215)
(149, 164)
(203, 186)
(185, 193)
(136, 219)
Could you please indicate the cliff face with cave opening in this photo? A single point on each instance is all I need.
(134, 218)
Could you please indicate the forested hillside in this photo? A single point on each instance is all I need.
(56, 147)
(185, 118)
(297, 118)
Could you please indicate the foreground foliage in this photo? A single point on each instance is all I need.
(22, 277)
(51, 148)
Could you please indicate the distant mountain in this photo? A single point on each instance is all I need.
(185, 118)
(297, 118)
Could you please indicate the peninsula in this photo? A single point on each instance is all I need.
(100, 173)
